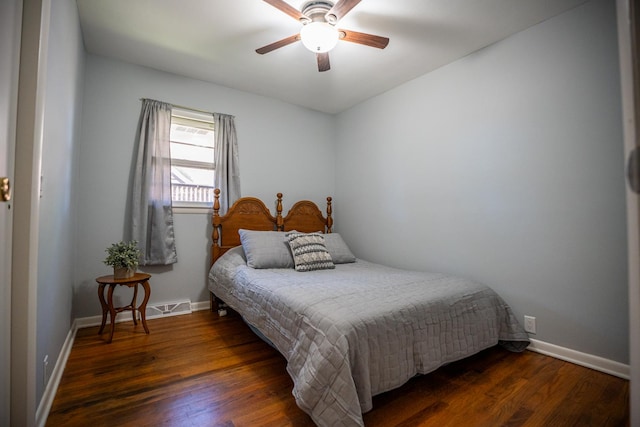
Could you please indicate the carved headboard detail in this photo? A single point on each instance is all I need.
(306, 217)
(251, 213)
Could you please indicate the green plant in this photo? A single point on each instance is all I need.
(123, 255)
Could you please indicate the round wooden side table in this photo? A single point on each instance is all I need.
(107, 306)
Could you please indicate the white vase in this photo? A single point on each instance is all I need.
(123, 272)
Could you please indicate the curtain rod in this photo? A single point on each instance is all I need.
(180, 106)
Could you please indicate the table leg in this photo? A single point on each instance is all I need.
(134, 303)
(112, 310)
(103, 304)
(143, 307)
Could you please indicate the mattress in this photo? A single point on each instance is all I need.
(362, 328)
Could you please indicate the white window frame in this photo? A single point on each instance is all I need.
(200, 120)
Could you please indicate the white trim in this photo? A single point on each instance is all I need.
(26, 209)
(627, 86)
(11, 21)
(583, 359)
(180, 210)
(87, 322)
(587, 360)
(56, 375)
(50, 391)
(202, 119)
(199, 306)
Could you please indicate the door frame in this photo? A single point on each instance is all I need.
(26, 208)
(628, 12)
(11, 21)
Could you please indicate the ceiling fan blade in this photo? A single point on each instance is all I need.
(323, 61)
(288, 9)
(341, 8)
(364, 38)
(277, 45)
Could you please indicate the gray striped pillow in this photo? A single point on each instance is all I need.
(309, 251)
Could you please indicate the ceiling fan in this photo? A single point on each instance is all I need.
(318, 32)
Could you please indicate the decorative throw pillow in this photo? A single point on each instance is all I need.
(340, 252)
(266, 249)
(309, 251)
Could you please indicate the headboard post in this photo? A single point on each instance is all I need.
(215, 236)
(252, 214)
(329, 218)
(279, 219)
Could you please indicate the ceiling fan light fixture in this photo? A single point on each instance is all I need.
(319, 37)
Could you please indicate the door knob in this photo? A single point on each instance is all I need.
(5, 189)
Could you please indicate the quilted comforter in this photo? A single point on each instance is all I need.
(362, 329)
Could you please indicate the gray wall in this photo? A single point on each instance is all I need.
(58, 213)
(283, 148)
(505, 166)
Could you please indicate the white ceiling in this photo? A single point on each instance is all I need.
(215, 41)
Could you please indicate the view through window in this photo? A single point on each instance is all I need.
(192, 151)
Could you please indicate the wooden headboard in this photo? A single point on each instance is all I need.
(250, 213)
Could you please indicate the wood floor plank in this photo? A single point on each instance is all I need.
(202, 370)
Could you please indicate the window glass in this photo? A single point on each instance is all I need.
(192, 158)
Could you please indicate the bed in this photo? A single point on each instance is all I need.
(349, 329)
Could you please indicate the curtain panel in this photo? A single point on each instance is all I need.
(227, 163)
(152, 215)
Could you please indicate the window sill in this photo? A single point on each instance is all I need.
(179, 210)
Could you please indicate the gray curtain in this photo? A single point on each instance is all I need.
(152, 216)
(227, 165)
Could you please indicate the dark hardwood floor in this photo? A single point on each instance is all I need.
(201, 370)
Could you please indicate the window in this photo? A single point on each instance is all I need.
(192, 151)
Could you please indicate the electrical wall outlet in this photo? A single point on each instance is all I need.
(530, 324)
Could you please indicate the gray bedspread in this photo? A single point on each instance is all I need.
(362, 329)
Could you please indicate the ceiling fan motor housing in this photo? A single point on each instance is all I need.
(319, 33)
(316, 11)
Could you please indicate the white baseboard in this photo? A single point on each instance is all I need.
(87, 322)
(200, 305)
(583, 359)
(54, 380)
(56, 375)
